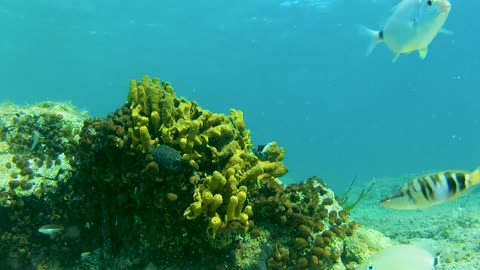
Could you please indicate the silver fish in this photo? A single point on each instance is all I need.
(411, 27)
(401, 257)
(51, 228)
(36, 138)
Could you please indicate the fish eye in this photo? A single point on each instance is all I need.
(370, 267)
(429, 2)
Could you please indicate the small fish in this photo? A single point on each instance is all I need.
(411, 27)
(431, 189)
(401, 257)
(51, 228)
(36, 138)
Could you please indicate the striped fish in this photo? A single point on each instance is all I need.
(431, 189)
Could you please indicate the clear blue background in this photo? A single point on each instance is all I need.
(299, 73)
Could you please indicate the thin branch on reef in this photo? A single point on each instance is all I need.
(345, 198)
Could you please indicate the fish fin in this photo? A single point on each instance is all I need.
(446, 31)
(427, 244)
(423, 53)
(395, 57)
(400, 4)
(374, 36)
(432, 247)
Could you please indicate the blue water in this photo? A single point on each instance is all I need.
(298, 71)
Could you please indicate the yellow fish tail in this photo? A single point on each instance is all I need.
(475, 177)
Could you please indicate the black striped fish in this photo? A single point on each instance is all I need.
(431, 189)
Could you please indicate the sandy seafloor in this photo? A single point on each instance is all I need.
(454, 226)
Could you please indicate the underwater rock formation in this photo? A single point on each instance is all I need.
(37, 155)
(167, 159)
(165, 183)
(37, 145)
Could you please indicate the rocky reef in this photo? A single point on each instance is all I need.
(38, 145)
(160, 184)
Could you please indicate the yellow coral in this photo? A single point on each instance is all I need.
(145, 139)
(150, 101)
(253, 173)
(235, 206)
(217, 146)
(273, 169)
(193, 211)
(217, 201)
(232, 206)
(205, 202)
(273, 166)
(213, 226)
(216, 182)
(248, 210)
(156, 121)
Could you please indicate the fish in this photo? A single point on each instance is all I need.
(401, 257)
(51, 228)
(35, 139)
(431, 189)
(411, 27)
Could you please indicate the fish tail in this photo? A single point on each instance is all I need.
(374, 36)
(436, 260)
(475, 177)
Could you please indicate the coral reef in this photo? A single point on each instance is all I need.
(214, 145)
(176, 158)
(163, 183)
(315, 226)
(37, 148)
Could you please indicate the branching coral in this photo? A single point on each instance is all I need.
(215, 145)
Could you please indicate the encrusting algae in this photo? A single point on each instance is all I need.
(163, 182)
